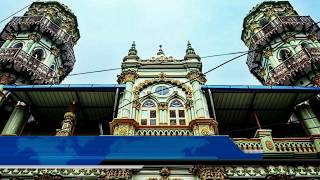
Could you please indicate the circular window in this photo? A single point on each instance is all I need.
(162, 90)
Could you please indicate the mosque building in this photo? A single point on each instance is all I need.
(159, 98)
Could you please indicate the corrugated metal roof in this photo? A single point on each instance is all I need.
(273, 104)
(50, 102)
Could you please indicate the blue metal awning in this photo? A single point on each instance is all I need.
(95, 150)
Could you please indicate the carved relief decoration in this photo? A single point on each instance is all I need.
(209, 172)
(6, 78)
(34, 36)
(47, 176)
(128, 75)
(10, 37)
(197, 75)
(67, 124)
(316, 79)
(117, 174)
(163, 105)
(146, 83)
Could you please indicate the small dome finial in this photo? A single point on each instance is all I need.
(190, 50)
(132, 50)
(160, 52)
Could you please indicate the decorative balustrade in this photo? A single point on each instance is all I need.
(294, 145)
(163, 132)
(248, 145)
(22, 61)
(282, 145)
(288, 68)
(277, 26)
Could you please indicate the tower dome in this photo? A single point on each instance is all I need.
(37, 48)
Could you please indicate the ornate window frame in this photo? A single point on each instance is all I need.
(174, 113)
(149, 114)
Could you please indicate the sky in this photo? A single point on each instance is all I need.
(108, 27)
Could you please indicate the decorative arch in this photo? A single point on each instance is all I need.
(147, 83)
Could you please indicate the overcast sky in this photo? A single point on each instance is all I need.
(108, 27)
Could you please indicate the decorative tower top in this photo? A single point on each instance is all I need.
(283, 45)
(132, 50)
(40, 44)
(132, 53)
(160, 52)
(190, 53)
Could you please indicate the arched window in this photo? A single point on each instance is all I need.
(177, 113)
(18, 45)
(284, 54)
(38, 54)
(149, 113)
(305, 45)
(263, 22)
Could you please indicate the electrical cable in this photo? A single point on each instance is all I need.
(16, 12)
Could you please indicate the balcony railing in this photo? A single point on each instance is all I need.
(23, 62)
(288, 68)
(44, 25)
(167, 131)
(277, 25)
(282, 145)
(294, 145)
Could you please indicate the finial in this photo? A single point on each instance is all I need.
(132, 50)
(160, 52)
(190, 53)
(189, 50)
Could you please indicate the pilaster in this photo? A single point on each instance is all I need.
(123, 127)
(265, 136)
(9, 39)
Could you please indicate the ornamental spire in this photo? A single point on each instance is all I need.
(190, 50)
(132, 50)
(160, 52)
(190, 53)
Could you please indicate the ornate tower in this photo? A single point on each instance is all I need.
(163, 96)
(284, 46)
(37, 48)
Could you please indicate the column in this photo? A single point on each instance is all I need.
(10, 37)
(127, 98)
(16, 121)
(127, 77)
(163, 108)
(33, 37)
(67, 125)
(309, 118)
(68, 122)
(311, 123)
(197, 77)
(3, 97)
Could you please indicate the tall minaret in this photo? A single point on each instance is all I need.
(286, 45)
(37, 48)
(285, 50)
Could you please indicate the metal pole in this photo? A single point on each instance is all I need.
(257, 119)
(212, 104)
(115, 103)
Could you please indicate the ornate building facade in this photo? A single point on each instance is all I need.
(162, 96)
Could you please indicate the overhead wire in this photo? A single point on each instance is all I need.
(16, 12)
